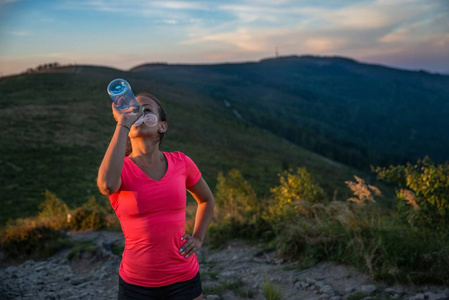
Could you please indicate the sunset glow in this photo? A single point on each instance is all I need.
(408, 34)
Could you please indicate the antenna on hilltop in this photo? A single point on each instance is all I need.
(276, 52)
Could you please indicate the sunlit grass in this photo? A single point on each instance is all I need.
(270, 291)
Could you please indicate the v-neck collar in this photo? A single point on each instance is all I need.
(145, 174)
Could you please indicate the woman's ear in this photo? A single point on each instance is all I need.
(163, 127)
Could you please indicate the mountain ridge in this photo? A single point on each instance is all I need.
(321, 89)
(304, 57)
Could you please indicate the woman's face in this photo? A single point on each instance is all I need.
(149, 107)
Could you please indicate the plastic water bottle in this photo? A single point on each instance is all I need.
(121, 93)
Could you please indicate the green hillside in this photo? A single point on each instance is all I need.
(56, 127)
(354, 113)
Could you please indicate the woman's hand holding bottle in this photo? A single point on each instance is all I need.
(126, 117)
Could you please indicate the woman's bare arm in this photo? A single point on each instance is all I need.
(203, 195)
(109, 179)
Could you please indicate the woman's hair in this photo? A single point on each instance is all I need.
(162, 117)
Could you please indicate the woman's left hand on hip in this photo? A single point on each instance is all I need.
(192, 245)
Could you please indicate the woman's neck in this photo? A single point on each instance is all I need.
(145, 150)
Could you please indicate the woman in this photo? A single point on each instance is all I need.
(147, 189)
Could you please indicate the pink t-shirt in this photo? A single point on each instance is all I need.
(152, 217)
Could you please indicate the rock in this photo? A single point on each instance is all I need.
(320, 284)
(310, 280)
(327, 289)
(212, 297)
(227, 274)
(210, 284)
(84, 284)
(67, 277)
(260, 260)
(393, 291)
(296, 277)
(435, 296)
(279, 261)
(40, 268)
(368, 288)
(417, 297)
(229, 295)
(304, 285)
(369, 298)
(108, 244)
(77, 281)
(64, 294)
(349, 290)
(11, 270)
(335, 298)
(29, 263)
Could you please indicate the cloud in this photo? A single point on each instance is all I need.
(252, 13)
(355, 29)
(133, 7)
(420, 31)
(173, 22)
(179, 5)
(243, 29)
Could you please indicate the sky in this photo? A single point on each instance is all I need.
(405, 34)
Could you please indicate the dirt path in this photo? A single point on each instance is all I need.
(239, 270)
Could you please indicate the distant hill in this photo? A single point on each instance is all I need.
(56, 127)
(332, 115)
(354, 113)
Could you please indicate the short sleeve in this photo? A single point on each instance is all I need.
(193, 174)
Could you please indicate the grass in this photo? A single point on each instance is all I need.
(118, 248)
(237, 286)
(270, 291)
(79, 247)
(30, 238)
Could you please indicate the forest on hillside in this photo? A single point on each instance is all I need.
(354, 113)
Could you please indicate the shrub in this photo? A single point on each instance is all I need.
(318, 237)
(235, 198)
(238, 212)
(89, 216)
(53, 211)
(294, 196)
(221, 232)
(423, 192)
(27, 238)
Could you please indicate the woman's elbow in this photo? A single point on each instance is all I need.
(105, 188)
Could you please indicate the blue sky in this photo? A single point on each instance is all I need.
(408, 34)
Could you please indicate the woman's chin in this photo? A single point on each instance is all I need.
(140, 131)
